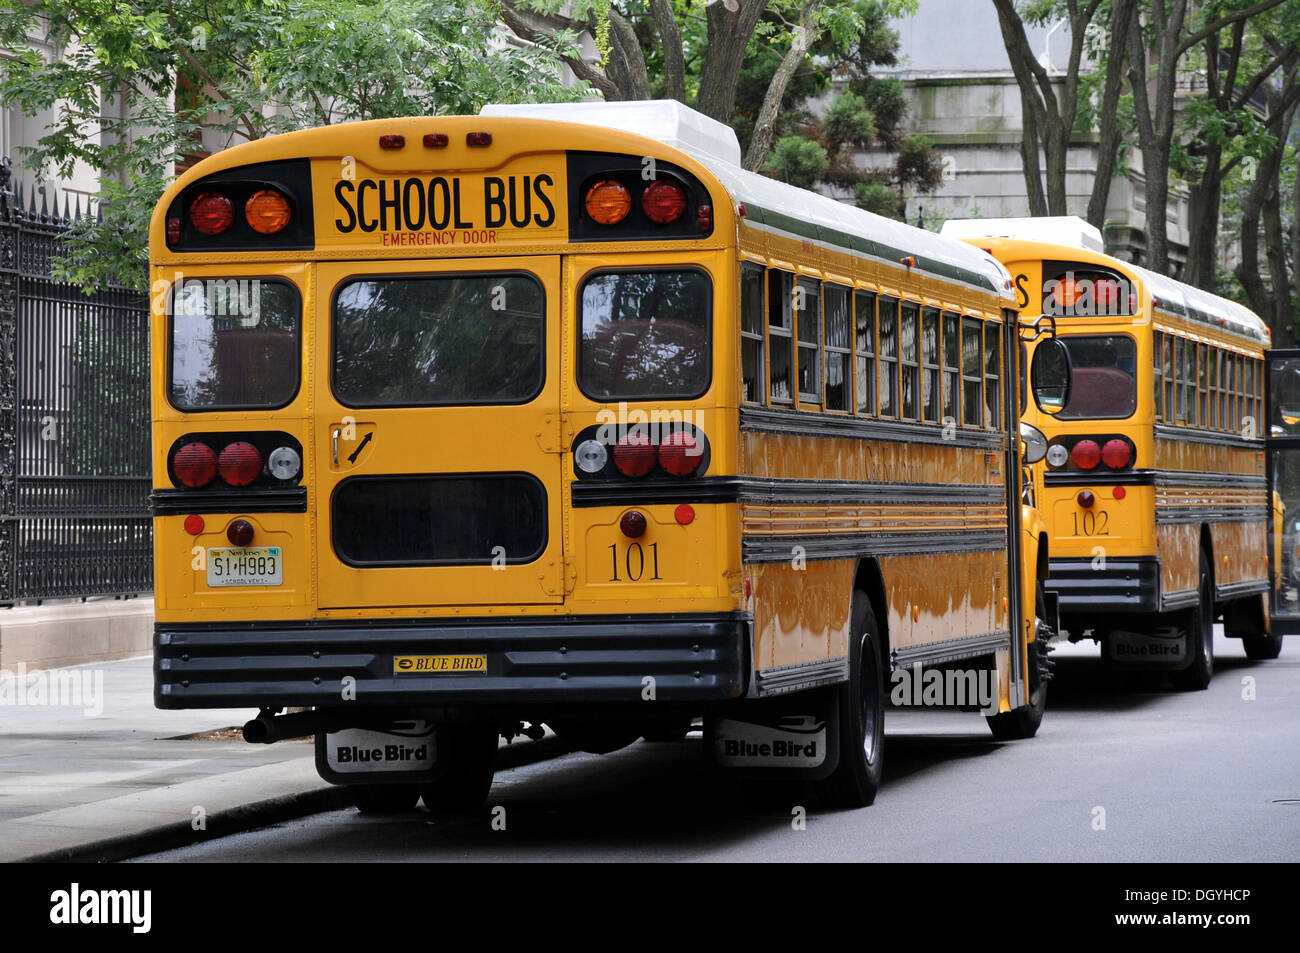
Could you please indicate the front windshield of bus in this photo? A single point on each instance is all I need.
(1105, 376)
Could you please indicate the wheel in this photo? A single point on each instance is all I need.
(385, 798)
(856, 778)
(1247, 622)
(466, 761)
(1200, 636)
(669, 729)
(1023, 722)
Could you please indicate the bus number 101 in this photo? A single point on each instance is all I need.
(635, 562)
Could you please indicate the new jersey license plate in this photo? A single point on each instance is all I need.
(253, 566)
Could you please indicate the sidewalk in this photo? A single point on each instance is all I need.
(91, 771)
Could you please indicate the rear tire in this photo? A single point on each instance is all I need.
(857, 777)
(1200, 636)
(1246, 621)
(1264, 646)
(1023, 722)
(466, 762)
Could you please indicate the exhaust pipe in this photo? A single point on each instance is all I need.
(268, 728)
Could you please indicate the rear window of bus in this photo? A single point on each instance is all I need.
(1105, 376)
(645, 333)
(234, 343)
(431, 340)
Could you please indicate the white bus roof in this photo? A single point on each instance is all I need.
(774, 206)
(1056, 229)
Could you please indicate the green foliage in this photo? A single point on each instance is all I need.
(879, 197)
(239, 70)
(849, 122)
(798, 161)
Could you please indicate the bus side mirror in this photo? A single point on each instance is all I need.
(1035, 443)
(1050, 375)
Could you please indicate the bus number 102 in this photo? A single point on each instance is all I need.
(636, 562)
(1092, 524)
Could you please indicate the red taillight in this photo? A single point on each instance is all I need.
(704, 217)
(392, 141)
(212, 213)
(240, 463)
(1086, 498)
(1117, 454)
(632, 524)
(478, 138)
(1086, 454)
(435, 140)
(173, 231)
(684, 514)
(663, 201)
(1120, 493)
(635, 455)
(240, 533)
(680, 454)
(195, 465)
(194, 524)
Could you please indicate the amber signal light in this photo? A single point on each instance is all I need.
(267, 211)
(608, 202)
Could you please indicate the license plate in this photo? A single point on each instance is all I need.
(440, 665)
(257, 566)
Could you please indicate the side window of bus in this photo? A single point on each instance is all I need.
(838, 374)
(234, 343)
(1248, 425)
(751, 334)
(930, 363)
(971, 373)
(1157, 362)
(808, 307)
(438, 340)
(780, 325)
(951, 367)
(908, 328)
(1170, 351)
(1202, 373)
(1186, 386)
(645, 332)
(992, 375)
(888, 357)
(864, 343)
(1220, 417)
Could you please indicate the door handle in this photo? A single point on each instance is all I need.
(337, 432)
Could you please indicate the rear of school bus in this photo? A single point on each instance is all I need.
(440, 439)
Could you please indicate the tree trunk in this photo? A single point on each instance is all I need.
(1122, 21)
(670, 40)
(728, 36)
(1203, 220)
(626, 60)
(760, 142)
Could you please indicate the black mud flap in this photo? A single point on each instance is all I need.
(795, 736)
(403, 751)
(1164, 647)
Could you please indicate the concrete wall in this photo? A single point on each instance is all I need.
(72, 633)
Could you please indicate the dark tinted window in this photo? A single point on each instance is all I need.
(454, 339)
(645, 334)
(1105, 376)
(439, 520)
(234, 343)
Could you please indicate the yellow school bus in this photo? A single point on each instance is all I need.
(554, 415)
(1155, 488)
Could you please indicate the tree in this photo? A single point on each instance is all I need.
(169, 70)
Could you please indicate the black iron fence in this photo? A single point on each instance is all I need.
(74, 417)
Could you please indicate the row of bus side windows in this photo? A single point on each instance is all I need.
(852, 351)
(1205, 386)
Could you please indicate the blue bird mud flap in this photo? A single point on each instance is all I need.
(402, 751)
(795, 736)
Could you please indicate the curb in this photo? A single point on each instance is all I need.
(247, 817)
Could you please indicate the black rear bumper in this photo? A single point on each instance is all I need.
(691, 657)
(1117, 585)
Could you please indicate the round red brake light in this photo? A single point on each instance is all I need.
(212, 213)
(663, 201)
(1086, 454)
(195, 465)
(680, 454)
(635, 455)
(240, 463)
(1116, 454)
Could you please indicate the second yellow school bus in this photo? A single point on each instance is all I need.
(1155, 486)
(467, 423)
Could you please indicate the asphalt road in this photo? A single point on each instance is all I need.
(1155, 775)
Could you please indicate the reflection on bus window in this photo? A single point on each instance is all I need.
(645, 334)
(1105, 376)
(455, 339)
(234, 343)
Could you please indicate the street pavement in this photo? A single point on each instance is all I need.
(1155, 775)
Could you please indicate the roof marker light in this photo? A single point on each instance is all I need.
(436, 140)
(392, 141)
(478, 138)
